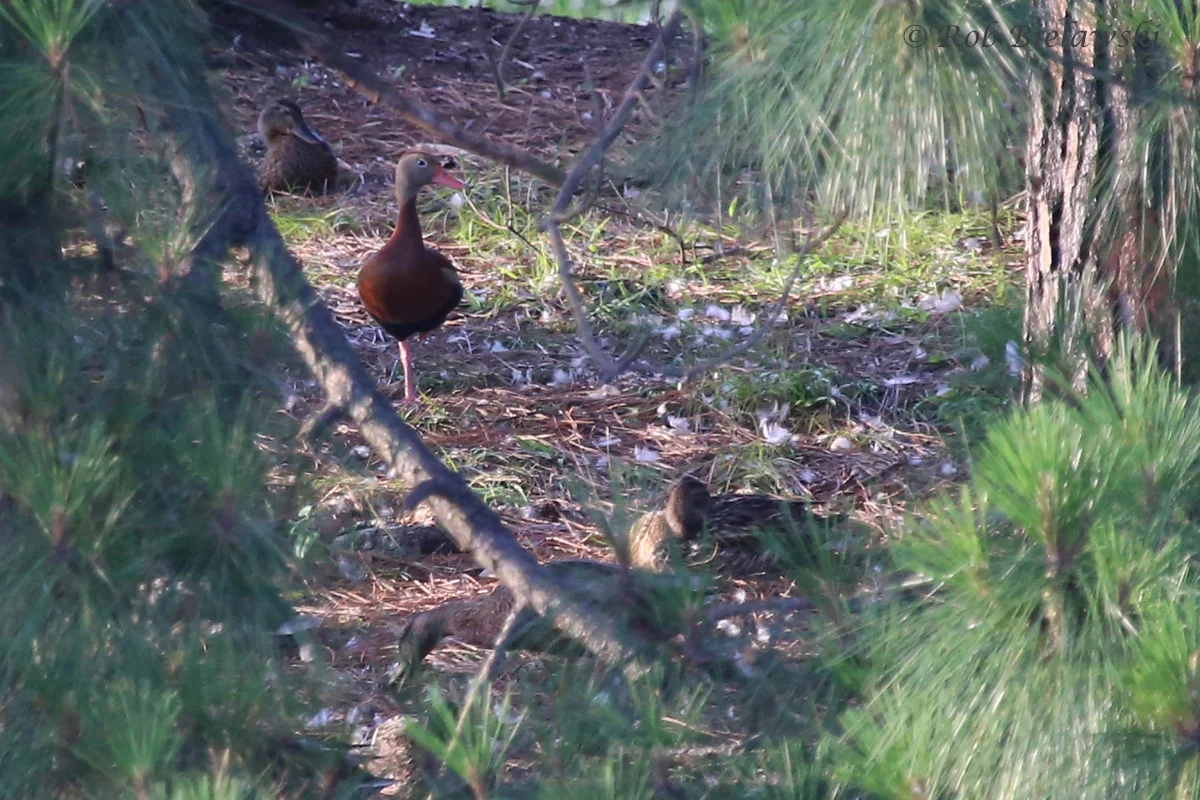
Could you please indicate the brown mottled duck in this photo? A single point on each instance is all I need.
(297, 159)
(479, 620)
(689, 511)
(732, 521)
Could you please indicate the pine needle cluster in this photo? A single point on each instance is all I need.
(144, 476)
(1060, 657)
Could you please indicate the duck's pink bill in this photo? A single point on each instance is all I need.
(441, 176)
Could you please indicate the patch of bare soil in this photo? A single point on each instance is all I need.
(437, 55)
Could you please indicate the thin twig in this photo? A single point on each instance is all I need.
(557, 215)
(599, 147)
(779, 605)
(104, 243)
(610, 369)
(597, 121)
(786, 605)
(485, 40)
(485, 35)
(638, 215)
(773, 314)
(502, 59)
(696, 68)
(722, 253)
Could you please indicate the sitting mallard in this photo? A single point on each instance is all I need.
(297, 159)
(681, 519)
(729, 519)
(644, 597)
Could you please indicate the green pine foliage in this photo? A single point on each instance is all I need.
(145, 476)
(1060, 657)
(827, 98)
(146, 565)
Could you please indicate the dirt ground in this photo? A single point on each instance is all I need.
(515, 403)
(436, 54)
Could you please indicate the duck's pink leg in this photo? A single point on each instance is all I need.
(410, 381)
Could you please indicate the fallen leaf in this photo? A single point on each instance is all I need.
(1012, 357)
(645, 454)
(425, 31)
(680, 424)
(713, 311)
(944, 303)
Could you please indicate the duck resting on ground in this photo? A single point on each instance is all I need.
(297, 159)
(688, 512)
(731, 520)
(406, 287)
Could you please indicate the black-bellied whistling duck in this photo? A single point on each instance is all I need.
(297, 157)
(407, 287)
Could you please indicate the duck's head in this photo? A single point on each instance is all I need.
(283, 118)
(417, 170)
(688, 506)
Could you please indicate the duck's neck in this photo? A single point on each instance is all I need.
(408, 226)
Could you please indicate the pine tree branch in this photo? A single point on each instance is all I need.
(211, 160)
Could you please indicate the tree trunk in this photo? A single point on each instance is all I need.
(1097, 226)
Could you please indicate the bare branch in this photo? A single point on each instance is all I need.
(594, 156)
(610, 369)
(696, 68)
(497, 62)
(786, 605)
(104, 243)
(210, 158)
(599, 147)
(315, 426)
(369, 85)
(485, 35)
(641, 216)
(589, 84)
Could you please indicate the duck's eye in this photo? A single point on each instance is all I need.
(421, 162)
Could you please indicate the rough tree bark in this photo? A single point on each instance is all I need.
(1095, 254)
